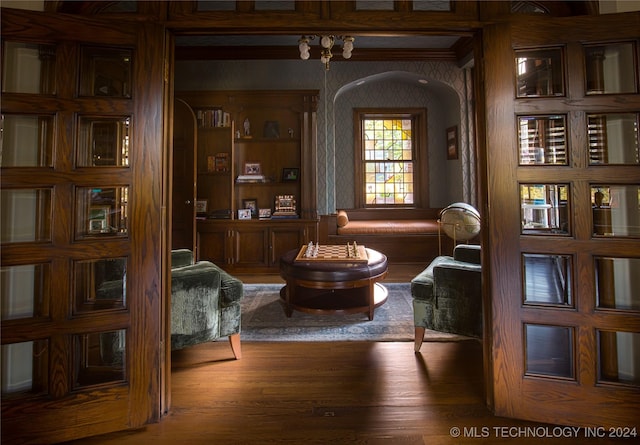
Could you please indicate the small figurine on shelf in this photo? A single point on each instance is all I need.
(247, 127)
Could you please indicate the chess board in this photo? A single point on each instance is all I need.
(337, 253)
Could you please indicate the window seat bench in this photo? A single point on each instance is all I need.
(403, 235)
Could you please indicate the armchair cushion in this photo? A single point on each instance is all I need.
(205, 301)
(447, 295)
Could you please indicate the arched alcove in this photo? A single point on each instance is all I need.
(395, 90)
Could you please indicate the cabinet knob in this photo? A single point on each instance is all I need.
(188, 202)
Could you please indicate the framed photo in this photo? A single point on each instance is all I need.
(252, 168)
(251, 204)
(290, 174)
(452, 142)
(99, 219)
(264, 213)
(244, 213)
(201, 205)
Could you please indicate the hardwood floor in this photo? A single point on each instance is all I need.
(330, 393)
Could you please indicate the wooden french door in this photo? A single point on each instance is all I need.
(563, 226)
(82, 231)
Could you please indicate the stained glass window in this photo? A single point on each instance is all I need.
(388, 161)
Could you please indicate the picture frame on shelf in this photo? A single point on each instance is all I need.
(244, 213)
(264, 213)
(452, 142)
(201, 206)
(290, 174)
(252, 168)
(271, 130)
(251, 204)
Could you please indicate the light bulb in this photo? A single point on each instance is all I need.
(304, 55)
(326, 41)
(346, 54)
(348, 45)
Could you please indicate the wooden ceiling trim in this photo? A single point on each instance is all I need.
(284, 53)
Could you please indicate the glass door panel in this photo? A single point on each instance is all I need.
(543, 140)
(27, 140)
(28, 68)
(105, 72)
(25, 291)
(619, 360)
(549, 351)
(613, 138)
(547, 279)
(100, 284)
(616, 210)
(617, 283)
(101, 211)
(545, 209)
(103, 141)
(611, 68)
(540, 73)
(24, 368)
(26, 215)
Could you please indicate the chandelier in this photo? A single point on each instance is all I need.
(326, 43)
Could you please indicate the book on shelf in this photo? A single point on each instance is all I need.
(241, 179)
(221, 162)
(212, 118)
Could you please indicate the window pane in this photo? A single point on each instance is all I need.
(388, 168)
(26, 141)
(543, 140)
(105, 72)
(24, 368)
(100, 284)
(611, 69)
(25, 291)
(28, 68)
(544, 209)
(99, 358)
(549, 351)
(613, 138)
(619, 357)
(618, 283)
(26, 215)
(547, 279)
(101, 211)
(616, 210)
(539, 73)
(103, 142)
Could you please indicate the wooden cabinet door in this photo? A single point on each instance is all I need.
(284, 238)
(82, 257)
(562, 289)
(213, 243)
(250, 245)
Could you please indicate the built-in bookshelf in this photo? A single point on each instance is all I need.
(255, 164)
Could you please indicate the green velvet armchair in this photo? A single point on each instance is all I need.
(447, 295)
(205, 303)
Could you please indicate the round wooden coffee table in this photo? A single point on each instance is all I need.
(321, 287)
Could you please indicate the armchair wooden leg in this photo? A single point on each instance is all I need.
(418, 337)
(234, 341)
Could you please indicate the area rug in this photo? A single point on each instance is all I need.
(263, 319)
